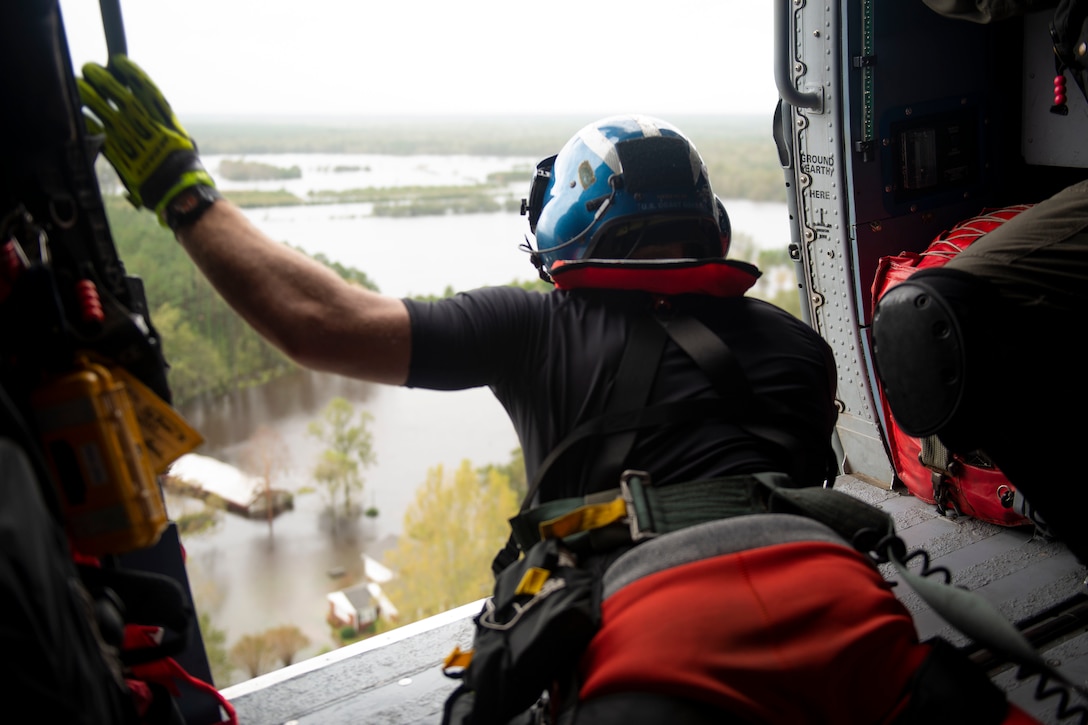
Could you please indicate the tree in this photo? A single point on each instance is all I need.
(250, 653)
(215, 647)
(267, 456)
(515, 471)
(451, 533)
(350, 448)
(195, 364)
(286, 641)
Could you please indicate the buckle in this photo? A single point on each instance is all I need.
(639, 518)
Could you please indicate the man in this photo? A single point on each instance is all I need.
(646, 358)
(1006, 320)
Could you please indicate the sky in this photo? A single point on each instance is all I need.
(434, 57)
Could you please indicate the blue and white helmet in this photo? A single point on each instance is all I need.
(617, 171)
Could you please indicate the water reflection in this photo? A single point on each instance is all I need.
(232, 419)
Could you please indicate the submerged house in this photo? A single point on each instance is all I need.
(360, 605)
(206, 478)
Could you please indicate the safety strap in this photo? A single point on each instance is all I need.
(719, 364)
(631, 390)
(965, 610)
(680, 411)
(638, 510)
(869, 529)
(626, 411)
(937, 459)
(167, 672)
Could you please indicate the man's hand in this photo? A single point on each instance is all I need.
(151, 152)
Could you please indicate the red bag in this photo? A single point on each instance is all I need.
(972, 485)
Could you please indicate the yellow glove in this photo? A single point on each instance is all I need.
(151, 152)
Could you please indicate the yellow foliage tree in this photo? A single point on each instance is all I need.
(251, 653)
(452, 531)
(286, 641)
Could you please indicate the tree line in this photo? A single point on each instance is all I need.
(739, 151)
(209, 348)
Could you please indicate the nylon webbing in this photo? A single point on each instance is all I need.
(838, 511)
(718, 363)
(634, 377)
(638, 367)
(934, 455)
(712, 356)
(631, 390)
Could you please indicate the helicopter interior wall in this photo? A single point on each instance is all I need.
(939, 124)
(960, 123)
(1053, 147)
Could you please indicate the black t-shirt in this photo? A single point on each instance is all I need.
(551, 360)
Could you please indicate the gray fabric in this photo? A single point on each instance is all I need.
(713, 539)
(1039, 257)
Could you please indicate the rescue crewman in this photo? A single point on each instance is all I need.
(776, 618)
(1005, 318)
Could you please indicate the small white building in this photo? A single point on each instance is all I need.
(360, 605)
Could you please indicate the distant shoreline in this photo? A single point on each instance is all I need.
(512, 135)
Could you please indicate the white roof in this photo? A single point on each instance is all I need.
(343, 605)
(214, 476)
(374, 571)
(386, 606)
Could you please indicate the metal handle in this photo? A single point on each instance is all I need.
(813, 100)
(114, 27)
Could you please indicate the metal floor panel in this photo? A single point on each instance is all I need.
(395, 678)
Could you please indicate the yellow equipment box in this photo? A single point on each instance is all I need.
(105, 475)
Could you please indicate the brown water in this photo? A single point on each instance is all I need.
(250, 578)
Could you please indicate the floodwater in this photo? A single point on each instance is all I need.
(249, 577)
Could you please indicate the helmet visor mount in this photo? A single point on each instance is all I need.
(538, 187)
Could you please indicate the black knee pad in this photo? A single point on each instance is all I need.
(920, 356)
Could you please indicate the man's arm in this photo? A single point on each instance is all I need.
(297, 304)
(306, 310)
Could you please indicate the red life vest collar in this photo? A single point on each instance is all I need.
(717, 277)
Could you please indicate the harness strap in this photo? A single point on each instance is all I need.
(863, 525)
(634, 378)
(626, 413)
(936, 457)
(719, 364)
(711, 354)
(676, 412)
(638, 510)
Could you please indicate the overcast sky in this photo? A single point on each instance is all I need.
(360, 57)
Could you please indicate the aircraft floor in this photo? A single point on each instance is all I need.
(395, 678)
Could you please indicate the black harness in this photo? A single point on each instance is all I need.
(626, 413)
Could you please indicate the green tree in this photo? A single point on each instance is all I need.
(514, 471)
(196, 362)
(215, 647)
(209, 348)
(451, 533)
(349, 449)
